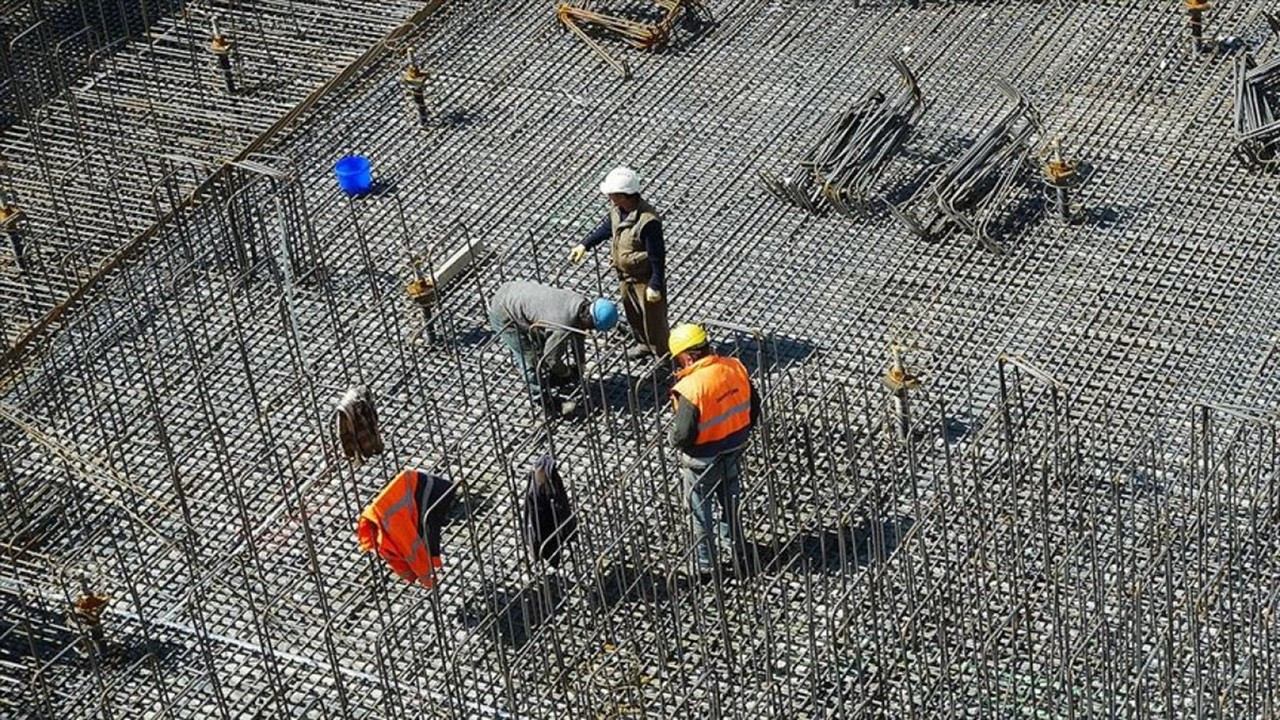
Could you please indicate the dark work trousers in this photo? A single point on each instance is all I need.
(648, 320)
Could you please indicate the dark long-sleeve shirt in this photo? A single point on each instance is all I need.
(654, 245)
(684, 429)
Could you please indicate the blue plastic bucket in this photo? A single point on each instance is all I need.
(354, 173)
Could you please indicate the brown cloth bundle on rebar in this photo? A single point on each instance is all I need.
(549, 521)
(356, 424)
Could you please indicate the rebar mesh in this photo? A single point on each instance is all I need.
(1073, 516)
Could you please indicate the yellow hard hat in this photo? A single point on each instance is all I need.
(685, 337)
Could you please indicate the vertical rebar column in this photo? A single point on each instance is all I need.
(1059, 176)
(85, 617)
(222, 48)
(414, 81)
(899, 382)
(1195, 21)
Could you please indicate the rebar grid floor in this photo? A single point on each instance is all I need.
(1088, 531)
(97, 160)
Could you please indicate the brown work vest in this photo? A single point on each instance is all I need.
(626, 250)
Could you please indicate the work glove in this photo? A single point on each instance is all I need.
(577, 253)
(652, 295)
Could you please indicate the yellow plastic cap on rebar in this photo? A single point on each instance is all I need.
(686, 337)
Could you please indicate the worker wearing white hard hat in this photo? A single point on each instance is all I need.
(638, 254)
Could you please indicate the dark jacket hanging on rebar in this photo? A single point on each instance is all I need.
(356, 424)
(549, 521)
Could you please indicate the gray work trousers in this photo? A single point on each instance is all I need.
(526, 351)
(708, 481)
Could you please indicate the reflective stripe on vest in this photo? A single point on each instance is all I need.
(721, 391)
(404, 504)
(399, 535)
(725, 416)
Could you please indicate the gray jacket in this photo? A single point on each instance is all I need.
(538, 312)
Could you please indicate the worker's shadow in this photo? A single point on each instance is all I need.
(782, 351)
(54, 637)
(619, 391)
(851, 546)
(472, 336)
(773, 353)
(848, 548)
(513, 615)
(759, 558)
(624, 583)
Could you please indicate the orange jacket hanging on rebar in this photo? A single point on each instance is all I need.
(721, 391)
(402, 524)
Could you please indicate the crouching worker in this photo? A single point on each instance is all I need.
(715, 408)
(403, 523)
(541, 324)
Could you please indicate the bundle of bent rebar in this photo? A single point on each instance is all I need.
(842, 169)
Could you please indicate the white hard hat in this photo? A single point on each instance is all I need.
(621, 180)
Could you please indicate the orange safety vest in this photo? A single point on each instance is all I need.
(721, 391)
(390, 526)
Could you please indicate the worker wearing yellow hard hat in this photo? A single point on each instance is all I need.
(685, 337)
(715, 405)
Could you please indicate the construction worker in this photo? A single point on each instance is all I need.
(639, 256)
(715, 408)
(540, 323)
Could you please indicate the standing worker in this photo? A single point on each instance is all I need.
(638, 254)
(716, 406)
(540, 323)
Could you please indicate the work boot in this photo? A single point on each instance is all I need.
(639, 351)
(557, 408)
(565, 382)
(567, 408)
(704, 572)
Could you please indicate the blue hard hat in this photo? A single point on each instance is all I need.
(604, 314)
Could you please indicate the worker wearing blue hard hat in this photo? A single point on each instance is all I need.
(541, 324)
